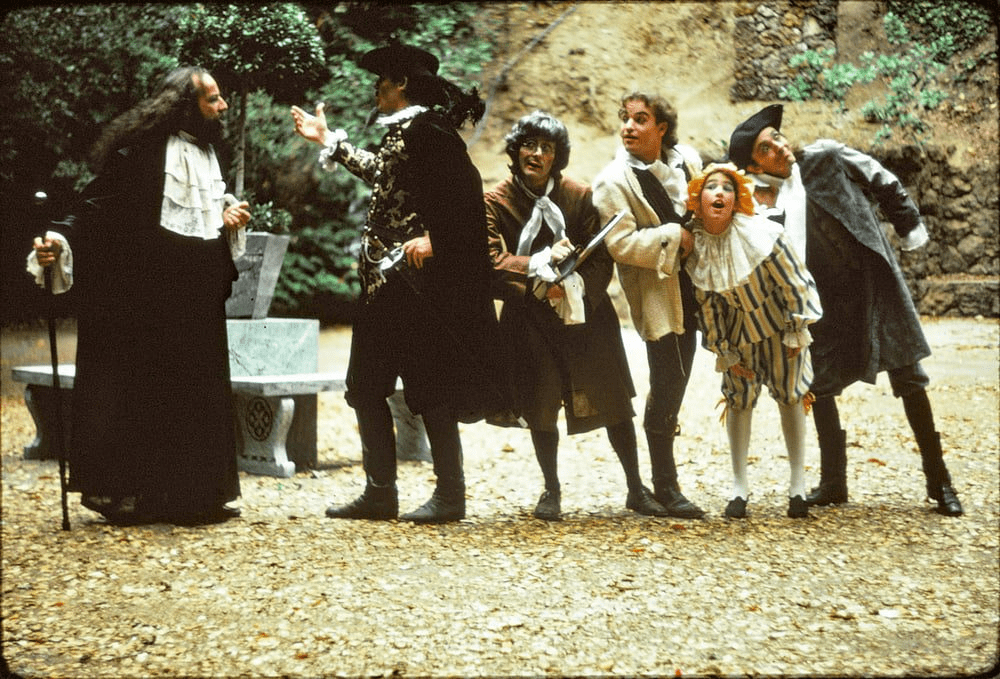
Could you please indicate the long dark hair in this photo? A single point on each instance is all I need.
(428, 89)
(173, 107)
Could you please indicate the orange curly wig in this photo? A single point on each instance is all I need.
(744, 195)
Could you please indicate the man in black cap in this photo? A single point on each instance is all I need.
(426, 312)
(869, 322)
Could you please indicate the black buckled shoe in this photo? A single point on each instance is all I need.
(548, 507)
(375, 504)
(798, 507)
(643, 502)
(828, 493)
(219, 514)
(947, 500)
(439, 509)
(677, 505)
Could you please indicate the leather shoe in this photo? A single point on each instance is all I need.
(368, 506)
(737, 508)
(798, 508)
(677, 505)
(217, 514)
(438, 509)
(548, 507)
(828, 493)
(948, 503)
(643, 502)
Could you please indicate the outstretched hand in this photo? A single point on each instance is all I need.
(311, 127)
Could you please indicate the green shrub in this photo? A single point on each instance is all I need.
(910, 69)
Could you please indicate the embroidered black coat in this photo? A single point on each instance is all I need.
(446, 335)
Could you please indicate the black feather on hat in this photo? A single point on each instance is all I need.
(399, 59)
(742, 140)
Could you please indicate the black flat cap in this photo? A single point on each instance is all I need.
(397, 58)
(743, 137)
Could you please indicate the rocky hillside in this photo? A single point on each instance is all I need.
(576, 60)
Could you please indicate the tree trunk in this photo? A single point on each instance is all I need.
(241, 138)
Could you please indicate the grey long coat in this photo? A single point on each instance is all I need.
(869, 323)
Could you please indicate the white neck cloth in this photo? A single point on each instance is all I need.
(545, 211)
(193, 189)
(670, 174)
(401, 115)
(790, 199)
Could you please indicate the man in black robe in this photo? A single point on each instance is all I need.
(152, 257)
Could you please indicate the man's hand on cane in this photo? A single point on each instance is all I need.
(47, 251)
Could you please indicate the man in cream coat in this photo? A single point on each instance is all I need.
(648, 179)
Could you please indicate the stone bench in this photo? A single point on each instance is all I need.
(275, 418)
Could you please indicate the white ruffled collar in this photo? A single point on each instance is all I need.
(724, 261)
(402, 115)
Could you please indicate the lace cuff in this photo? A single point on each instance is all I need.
(62, 269)
(570, 307)
(797, 339)
(237, 239)
(331, 144)
(916, 238)
(726, 359)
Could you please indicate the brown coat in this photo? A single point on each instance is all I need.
(582, 366)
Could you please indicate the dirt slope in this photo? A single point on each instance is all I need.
(598, 51)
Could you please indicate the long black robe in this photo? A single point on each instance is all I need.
(152, 402)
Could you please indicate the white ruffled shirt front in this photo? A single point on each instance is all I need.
(194, 194)
(194, 198)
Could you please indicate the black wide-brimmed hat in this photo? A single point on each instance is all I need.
(742, 140)
(397, 58)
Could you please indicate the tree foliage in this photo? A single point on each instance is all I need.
(69, 69)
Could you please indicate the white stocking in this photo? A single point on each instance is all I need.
(738, 427)
(793, 426)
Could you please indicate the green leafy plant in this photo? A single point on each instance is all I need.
(910, 70)
(69, 69)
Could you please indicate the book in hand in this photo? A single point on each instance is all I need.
(581, 253)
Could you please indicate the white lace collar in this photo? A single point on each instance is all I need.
(724, 261)
(401, 115)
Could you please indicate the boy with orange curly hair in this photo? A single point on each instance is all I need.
(756, 301)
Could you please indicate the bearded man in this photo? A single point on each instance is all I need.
(152, 252)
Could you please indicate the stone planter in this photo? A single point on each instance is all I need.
(258, 275)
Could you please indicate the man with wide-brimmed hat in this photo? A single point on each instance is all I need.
(426, 313)
(869, 323)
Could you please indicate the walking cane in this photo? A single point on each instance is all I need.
(40, 198)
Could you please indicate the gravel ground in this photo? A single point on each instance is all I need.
(880, 586)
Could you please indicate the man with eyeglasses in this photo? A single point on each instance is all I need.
(869, 322)
(565, 350)
(648, 180)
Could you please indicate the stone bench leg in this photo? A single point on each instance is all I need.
(41, 403)
(262, 430)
